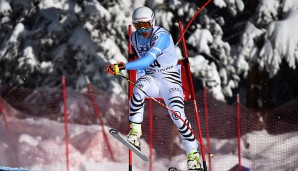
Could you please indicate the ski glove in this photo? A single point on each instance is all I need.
(115, 69)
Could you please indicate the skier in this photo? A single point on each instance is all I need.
(158, 59)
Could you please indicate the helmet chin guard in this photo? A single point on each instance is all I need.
(143, 14)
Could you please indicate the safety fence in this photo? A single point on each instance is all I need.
(61, 129)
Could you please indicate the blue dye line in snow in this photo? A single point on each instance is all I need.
(12, 169)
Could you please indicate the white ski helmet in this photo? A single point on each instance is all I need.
(143, 14)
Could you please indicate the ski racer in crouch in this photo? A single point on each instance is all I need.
(157, 56)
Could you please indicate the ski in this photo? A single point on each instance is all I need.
(116, 135)
(175, 169)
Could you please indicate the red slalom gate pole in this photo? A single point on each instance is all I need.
(131, 74)
(96, 108)
(239, 132)
(9, 133)
(194, 101)
(207, 122)
(65, 122)
(150, 132)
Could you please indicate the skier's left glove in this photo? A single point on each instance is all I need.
(115, 69)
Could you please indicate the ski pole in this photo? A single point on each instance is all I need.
(163, 105)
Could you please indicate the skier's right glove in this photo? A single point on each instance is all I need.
(115, 69)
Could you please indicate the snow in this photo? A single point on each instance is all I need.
(5, 8)
(288, 5)
(200, 39)
(282, 43)
(248, 50)
(281, 40)
(220, 3)
(267, 11)
(93, 9)
(16, 33)
(80, 40)
(28, 59)
(46, 151)
(234, 6)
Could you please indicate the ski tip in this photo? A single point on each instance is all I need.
(146, 159)
(113, 131)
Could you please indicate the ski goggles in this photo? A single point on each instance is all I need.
(143, 26)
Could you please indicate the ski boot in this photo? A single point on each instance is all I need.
(193, 161)
(134, 135)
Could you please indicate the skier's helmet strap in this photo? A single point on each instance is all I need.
(142, 15)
